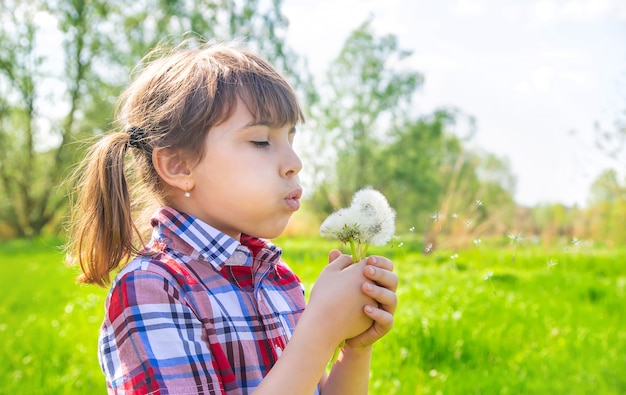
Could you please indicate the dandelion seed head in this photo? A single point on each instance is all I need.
(336, 222)
(368, 220)
(367, 209)
(377, 217)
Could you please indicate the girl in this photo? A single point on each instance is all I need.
(207, 306)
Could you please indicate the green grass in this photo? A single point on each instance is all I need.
(526, 330)
(48, 324)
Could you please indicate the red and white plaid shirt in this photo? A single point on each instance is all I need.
(206, 314)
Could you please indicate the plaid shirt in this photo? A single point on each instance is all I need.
(206, 314)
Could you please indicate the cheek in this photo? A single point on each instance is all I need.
(238, 169)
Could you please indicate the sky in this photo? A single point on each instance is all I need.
(537, 76)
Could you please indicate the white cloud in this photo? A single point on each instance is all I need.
(468, 7)
(578, 77)
(541, 78)
(546, 12)
(587, 9)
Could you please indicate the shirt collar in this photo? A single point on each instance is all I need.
(204, 242)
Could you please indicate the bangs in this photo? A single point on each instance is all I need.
(270, 102)
(241, 75)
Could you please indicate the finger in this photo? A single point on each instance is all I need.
(381, 262)
(333, 254)
(338, 260)
(382, 319)
(382, 277)
(386, 299)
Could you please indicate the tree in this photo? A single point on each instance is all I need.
(364, 97)
(54, 96)
(410, 165)
(607, 188)
(607, 209)
(36, 133)
(612, 142)
(372, 137)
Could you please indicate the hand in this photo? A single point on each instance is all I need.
(382, 288)
(336, 298)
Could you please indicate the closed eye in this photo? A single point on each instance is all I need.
(261, 144)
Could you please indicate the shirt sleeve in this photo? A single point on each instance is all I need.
(151, 342)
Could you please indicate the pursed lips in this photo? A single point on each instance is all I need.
(293, 198)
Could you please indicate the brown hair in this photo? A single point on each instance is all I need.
(172, 102)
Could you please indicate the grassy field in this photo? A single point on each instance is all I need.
(492, 320)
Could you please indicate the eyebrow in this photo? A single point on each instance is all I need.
(264, 123)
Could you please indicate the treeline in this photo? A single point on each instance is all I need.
(602, 222)
(63, 62)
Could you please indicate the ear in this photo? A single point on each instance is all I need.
(172, 169)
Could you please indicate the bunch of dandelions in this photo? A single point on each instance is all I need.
(368, 221)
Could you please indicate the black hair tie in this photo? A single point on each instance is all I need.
(137, 137)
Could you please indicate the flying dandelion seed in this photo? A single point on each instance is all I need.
(428, 248)
(468, 223)
(436, 216)
(401, 244)
(454, 256)
(477, 242)
(516, 238)
(454, 215)
(552, 263)
(412, 229)
(479, 203)
(487, 277)
(575, 241)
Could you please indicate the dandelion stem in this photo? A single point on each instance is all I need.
(364, 253)
(354, 251)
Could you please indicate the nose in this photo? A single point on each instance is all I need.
(291, 163)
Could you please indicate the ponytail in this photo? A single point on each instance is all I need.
(102, 229)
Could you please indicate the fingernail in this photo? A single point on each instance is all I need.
(371, 270)
(373, 260)
(369, 287)
(369, 309)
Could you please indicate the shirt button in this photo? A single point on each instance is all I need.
(240, 257)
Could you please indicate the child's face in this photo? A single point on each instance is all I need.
(247, 181)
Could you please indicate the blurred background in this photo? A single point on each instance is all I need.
(517, 103)
(496, 129)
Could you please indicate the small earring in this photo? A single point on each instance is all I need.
(187, 194)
